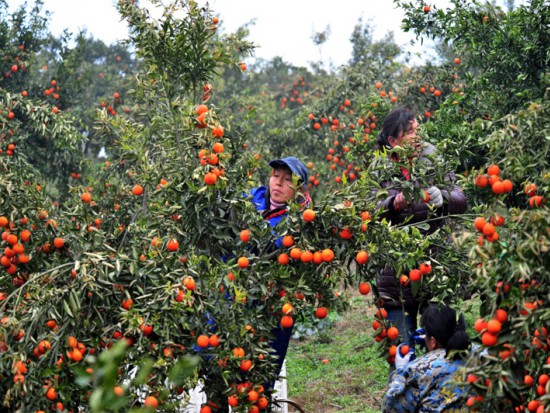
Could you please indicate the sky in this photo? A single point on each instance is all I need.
(282, 28)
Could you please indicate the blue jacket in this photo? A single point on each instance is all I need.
(261, 202)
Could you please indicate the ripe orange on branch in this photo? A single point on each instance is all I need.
(202, 109)
(283, 259)
(58, 243)
(288, 241)
(245, 235)
(381, 313)
(210, 178)
(321, 312)
(238, 352)
(497, 187)
(214, 340)
(295, 253)
(346, 233)
(173, 245)
(287, 309)
(365, 215)
(218, 131)
(243, 262)
(217, 147)
(415, 275)
(507, 186)
(488, 229)
(481, 181)
(203, 341)
(364, 288)
(362, 257)
(233, 400)
(393, 333)
(536, 201)
(127, 304)
(493, 170)
(246, 365)
(488, 339)
(51, 394)
(306, 256)
(151, 401)
(425, 268)
(189, 283)
(308, 215)
(494, 326)
(479, 223)
(86, 197)
(287, 321)
(530, 189)
(327, 255)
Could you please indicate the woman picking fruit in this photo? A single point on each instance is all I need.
(399, 136)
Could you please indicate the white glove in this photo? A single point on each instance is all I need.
(436, 199)
(402, 361)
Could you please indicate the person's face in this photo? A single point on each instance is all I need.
(408, 138)
(281, 186)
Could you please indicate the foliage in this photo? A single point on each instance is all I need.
(49, 87)
(142, 253)
(506, 51)
(511, 278)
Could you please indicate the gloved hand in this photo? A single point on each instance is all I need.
(436, 198)
(402, 360)
(419, 337)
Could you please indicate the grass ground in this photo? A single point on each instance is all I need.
(341, 368)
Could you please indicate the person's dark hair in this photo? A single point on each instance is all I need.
(440, 321)
(395, 123)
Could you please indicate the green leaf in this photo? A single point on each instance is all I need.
(183, 369)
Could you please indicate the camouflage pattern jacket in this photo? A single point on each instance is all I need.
(427, 384)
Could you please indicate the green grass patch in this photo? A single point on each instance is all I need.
(340, 368)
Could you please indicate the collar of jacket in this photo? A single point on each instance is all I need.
(271, 213)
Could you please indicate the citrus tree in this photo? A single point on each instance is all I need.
(32, 124)
(508, 243)
(495, 122)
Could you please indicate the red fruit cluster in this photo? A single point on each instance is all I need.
(535, 201)
(492, 178)
(488, 229)
(378, 326)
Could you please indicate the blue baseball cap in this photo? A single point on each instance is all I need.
(294, 164)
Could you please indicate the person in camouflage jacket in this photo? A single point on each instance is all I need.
(435, 381)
